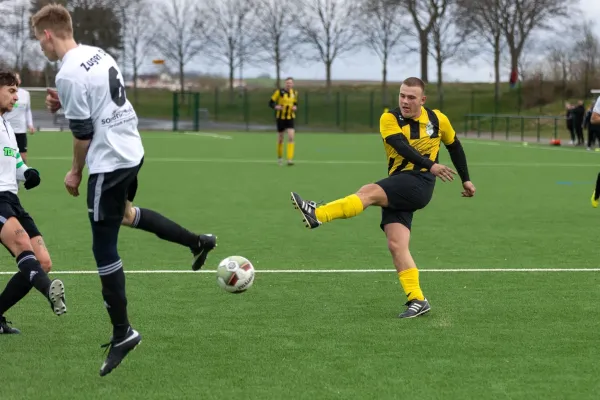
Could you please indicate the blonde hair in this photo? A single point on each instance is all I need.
(53, 17)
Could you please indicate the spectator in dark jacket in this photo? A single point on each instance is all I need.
(569, 116)
(578, 115)
(593, 130)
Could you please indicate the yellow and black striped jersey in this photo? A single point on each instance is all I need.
(424, 134)
(286, 99)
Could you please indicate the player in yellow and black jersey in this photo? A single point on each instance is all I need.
(285, 103)
(412, 135)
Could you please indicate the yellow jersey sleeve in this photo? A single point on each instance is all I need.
(388, 125)
(275, 96)
(447, 132)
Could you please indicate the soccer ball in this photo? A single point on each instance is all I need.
(235, 274)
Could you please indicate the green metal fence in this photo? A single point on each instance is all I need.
(515, 127)
(357, 111)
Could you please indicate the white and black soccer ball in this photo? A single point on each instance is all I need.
(235, 274)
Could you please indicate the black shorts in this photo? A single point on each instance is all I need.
(407, 192)
(21, 142)
(283, 124)
(10, 206)
(108, 192)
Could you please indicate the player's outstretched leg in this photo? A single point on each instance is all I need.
(398, 237)
(347, 207)
(19, 286)
(16, 239)
(596, 193)
(165, 229)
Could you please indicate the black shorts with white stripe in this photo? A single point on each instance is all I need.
(108, 193)
(10, 206)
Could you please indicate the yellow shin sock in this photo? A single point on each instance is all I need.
(290, 151)
(409, 279)
(347, 207)
(279, 150)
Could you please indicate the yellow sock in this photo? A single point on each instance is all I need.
(290, 151)
(347, 207)
(409, 279)
(279, 150)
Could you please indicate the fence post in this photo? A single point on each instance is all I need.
(306, 108)
(507, 122)
(493, 126)
(216, 104)
(345, 111)
(522, 129)
(371, 109)
(175, 111)
(538, 129)
(337, 109)
(555, 128)
(196, 112)
(478, 126)
(246, 113)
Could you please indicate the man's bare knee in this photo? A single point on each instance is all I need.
(129, 217)
(372, 194)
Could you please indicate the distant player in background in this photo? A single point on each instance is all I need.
(595, 120)
(21, 120)
(285, 103)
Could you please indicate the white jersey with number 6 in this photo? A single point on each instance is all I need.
(90, 87)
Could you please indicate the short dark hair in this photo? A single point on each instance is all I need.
(289, 78)
(414, 82)
(8, 78)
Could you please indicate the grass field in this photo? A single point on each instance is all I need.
(496, 331)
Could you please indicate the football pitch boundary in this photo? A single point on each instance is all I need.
(331, 162)
(329, 271)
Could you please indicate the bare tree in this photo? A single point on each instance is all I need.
(328, 28)
(275, 33)
(424, 14)
(450, 42)
(17, 34)
(587, 54)
(230, 42)
(519, 18)
(137, 39)
(382, 31)
(484, 18)
(182, 34)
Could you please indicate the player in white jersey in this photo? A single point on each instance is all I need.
(91, 91)
(21, 119)
(18, 232)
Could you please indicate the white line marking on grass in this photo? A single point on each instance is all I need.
(333, 162)
(208, 134)
(330, 271)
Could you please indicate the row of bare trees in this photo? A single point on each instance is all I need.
(275, 33)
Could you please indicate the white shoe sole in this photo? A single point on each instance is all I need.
(56, 295)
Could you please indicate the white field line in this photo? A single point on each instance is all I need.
(330, 271)
(340, 162)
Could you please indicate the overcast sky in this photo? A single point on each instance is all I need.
(366, 66)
